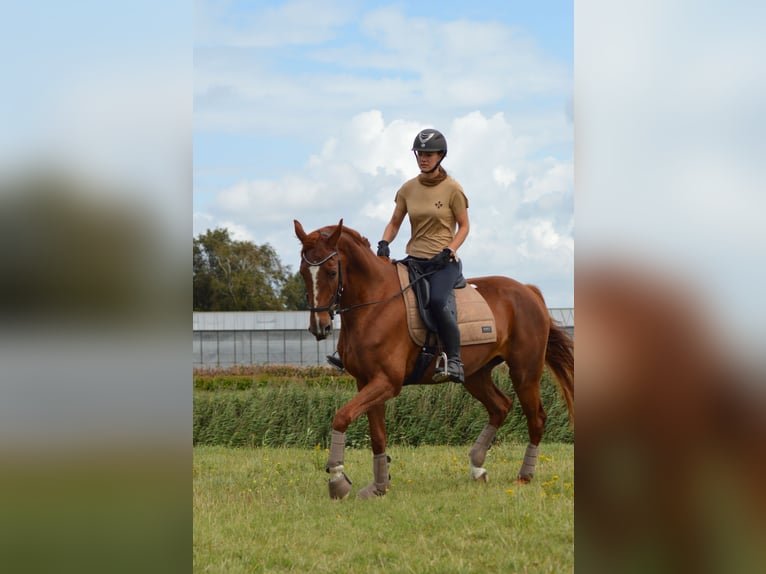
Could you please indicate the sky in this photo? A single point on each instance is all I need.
(307, 110)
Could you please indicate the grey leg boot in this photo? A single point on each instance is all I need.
(381, 481)
(339, 484)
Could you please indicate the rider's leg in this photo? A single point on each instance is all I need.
(444, 311)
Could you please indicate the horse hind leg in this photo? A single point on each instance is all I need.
(498, 405)
(526, 383)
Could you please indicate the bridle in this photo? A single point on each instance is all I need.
(333, 306)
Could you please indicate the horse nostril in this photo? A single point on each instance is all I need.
(328, 329)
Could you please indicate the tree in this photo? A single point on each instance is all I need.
(234, 275)
(294, 293)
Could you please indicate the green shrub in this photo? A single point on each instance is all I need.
(297, 411)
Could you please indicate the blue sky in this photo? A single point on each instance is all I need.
(308, 110)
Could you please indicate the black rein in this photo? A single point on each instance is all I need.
(333, 306)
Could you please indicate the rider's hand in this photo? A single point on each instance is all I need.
(383, 250)
(441, 259)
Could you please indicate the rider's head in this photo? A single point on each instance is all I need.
(430, 148)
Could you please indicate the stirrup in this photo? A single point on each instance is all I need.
(452, 370)
(441, 361)
(336, 362)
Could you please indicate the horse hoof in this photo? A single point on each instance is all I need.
(521, 480)
(372, 491)
(479, 474)
(339, 486)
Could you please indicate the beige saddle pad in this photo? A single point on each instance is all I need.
(474, 317)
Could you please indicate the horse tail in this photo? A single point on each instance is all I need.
(559, 356)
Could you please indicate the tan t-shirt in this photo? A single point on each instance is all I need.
(432, 214)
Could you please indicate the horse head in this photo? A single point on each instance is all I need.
(321, 271)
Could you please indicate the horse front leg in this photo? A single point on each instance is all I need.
(369, 398)
(381, 480)
(339, 483)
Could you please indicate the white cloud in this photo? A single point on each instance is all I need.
(295, 22)
(356, 174)
(557, 178)
(504, 176)
(237, 231)
(357, 102)
(409, 66)
(540, 239)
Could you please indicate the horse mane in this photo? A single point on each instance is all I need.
(356, 237)
(312, 239)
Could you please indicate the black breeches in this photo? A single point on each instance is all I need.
(442, 284)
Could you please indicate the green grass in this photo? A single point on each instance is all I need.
(268, 510)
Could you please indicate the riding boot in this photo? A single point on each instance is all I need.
(446, 319)
(335, 361)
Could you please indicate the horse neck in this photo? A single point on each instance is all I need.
(366, 277)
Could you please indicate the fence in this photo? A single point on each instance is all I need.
(225, 339)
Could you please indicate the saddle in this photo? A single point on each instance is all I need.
(475, 319)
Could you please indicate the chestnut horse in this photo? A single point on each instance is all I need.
(343, 275)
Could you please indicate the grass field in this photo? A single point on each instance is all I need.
(267, 510)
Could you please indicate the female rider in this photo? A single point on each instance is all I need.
(438, 214)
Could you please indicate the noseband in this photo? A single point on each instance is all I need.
(334, 303)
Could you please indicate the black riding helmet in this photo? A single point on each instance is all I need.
(430, 140)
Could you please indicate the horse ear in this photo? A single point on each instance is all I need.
(333, 239)
(299, 231)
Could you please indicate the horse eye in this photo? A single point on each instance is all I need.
(333, 274)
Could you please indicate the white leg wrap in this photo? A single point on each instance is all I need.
(479, 473)
(530, 462)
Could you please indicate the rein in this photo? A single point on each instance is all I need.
(333, 306)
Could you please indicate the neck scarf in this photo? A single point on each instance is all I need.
(432, 180)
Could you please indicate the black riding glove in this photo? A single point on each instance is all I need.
(383, 250)
(440, 260)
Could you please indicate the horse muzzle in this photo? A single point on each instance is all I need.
(321, 329)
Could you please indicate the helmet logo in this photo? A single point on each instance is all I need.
(424, 137)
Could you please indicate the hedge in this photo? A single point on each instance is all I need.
(292, 411)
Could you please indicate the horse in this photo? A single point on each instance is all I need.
(343, 275)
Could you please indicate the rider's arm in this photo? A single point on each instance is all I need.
(389, 233)
(463, 226)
